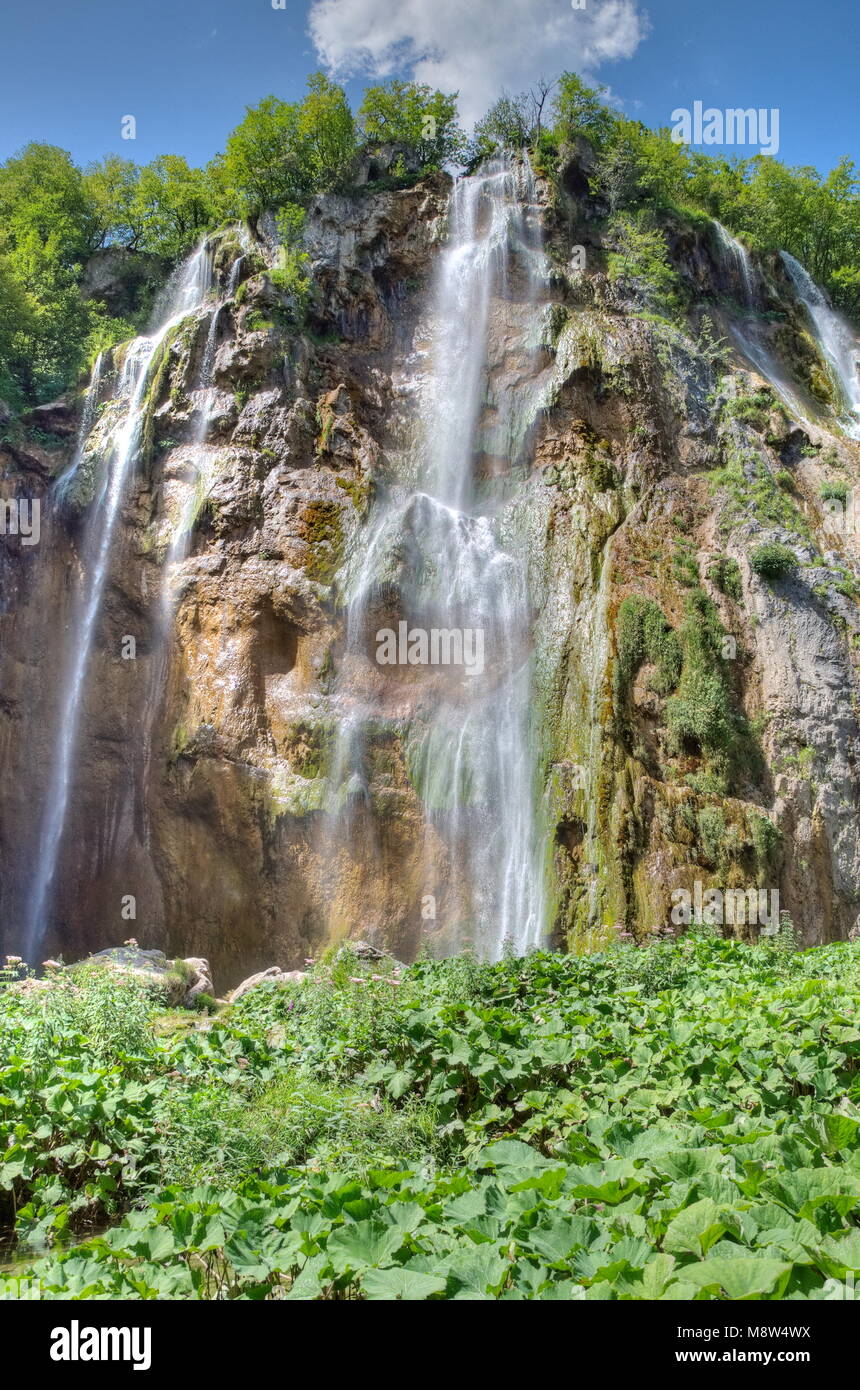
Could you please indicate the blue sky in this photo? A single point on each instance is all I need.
(185, 69)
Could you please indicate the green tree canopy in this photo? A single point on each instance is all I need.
(413, 115)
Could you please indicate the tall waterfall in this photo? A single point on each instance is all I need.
(839, 345)
(434, 559)
(185, 293)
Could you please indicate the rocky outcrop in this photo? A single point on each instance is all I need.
(636, 463)
(273, 976)
(124, 280)
(175, 983)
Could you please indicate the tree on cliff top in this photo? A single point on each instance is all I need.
(283, 152)
(413, 115)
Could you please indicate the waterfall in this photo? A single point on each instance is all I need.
(184, 294)
(235, 272)
(184, 523)
(434, 550)
(736, 258)
(88, 416)
(751, 335)
(839, 345)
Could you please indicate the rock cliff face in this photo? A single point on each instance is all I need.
(694, 720)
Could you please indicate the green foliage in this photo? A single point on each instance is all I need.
(327, 132)
(702, 714)
(640, 258)
(773, 561)
(753, 409)
(814, 216)
(411, 114)
(264, 163)
(580, 110)
(46, 230)
(753, 490)
(676, 1121)
(508, 125)
(726, 576)
(643, 634)
(174, 205)
(291, 274)
(834, 492)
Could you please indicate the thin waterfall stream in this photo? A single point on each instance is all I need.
(838, 343)
(185, 294)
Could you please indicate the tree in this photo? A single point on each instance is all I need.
(172, 206)
(412, 115)
(508, 125)
(112, 189)
(47, 228)
(42, 195)
(326, 130)
(265, 163)
(581, 110)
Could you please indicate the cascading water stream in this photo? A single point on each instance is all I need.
(750, 335)
(839, 345)
(184, 295)
(88, 416)
(470, 744)
(735, 255)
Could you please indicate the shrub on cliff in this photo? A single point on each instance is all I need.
(773, 561)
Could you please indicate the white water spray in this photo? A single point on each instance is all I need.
(736, 255)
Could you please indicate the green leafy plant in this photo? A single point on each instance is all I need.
(773, 561)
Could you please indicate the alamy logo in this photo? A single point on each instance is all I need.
(736, 906)
(20, 516)
(76, 1343)
(735, 126)
(445, 646)
(841, 509)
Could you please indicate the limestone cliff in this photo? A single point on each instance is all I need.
(694, 719)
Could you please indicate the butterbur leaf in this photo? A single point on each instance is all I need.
(512, 1153)
(656, 1275)
(695, 1229)
(357, 1247)
(398, 1084)
(310, 1280)
(743, 1278)
(400, 1283)
(477, 1272)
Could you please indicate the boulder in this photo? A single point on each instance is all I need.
(175, 982)
(59, 417)
(273, 976)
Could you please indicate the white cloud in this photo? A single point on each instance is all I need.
(476, 47)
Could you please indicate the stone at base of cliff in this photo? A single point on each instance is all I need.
(174, 982)
(362, 950)
(273, 976)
